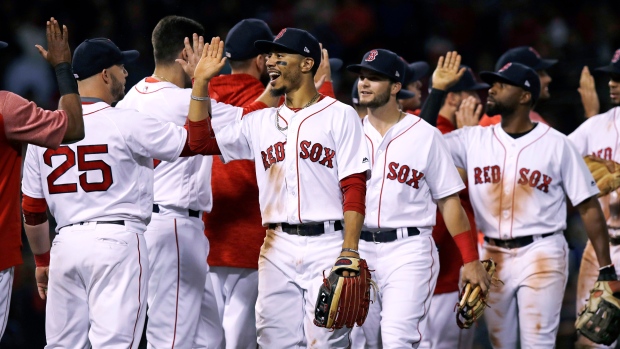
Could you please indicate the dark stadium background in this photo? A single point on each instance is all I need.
(577, 33)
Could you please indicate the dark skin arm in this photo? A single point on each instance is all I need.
(596, 228)
(353, 222)
(59, 52)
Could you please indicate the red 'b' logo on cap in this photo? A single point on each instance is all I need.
(371, 56)
(535, 52)
(505, 67)
(280, 34)
(616, 57)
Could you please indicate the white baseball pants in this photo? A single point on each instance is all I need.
(6, 286)
(588, 273)
(442, 332)
(406, 272)
(210, 333)
(97, 287)
(178, 252)
(290, 272)
(530, 300)
(369, 337)
(236, 291)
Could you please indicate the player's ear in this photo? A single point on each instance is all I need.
(105, 75)
(526, 98)
(395, 87)
(306, 64)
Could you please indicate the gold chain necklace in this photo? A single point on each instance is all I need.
(282, 129)
(160, 78)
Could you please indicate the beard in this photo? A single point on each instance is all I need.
(118, 90)
(498, 109)
(379, 100)
(290, 81)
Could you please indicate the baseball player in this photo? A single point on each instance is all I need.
(176, 243)
(397, 236)
(598, 136)
(414, 73)
(308, 184)
(518, 187)
(234, 224)
(442, 331)
(23, 122)
(529, 57)
(100, 190)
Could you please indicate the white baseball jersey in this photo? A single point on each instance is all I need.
(412, 168)
(186, 182)
(518, 186)
(109, 174)
(599, 135)
(299, 162)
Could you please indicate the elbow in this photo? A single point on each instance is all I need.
(73, 137)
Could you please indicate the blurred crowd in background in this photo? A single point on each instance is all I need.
(577, 33)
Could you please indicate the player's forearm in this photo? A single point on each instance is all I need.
(200, 103)
(432, 105)
(596, 228)
(353, 222)
(267, 98)
(70, 102)
(458, 225)
(38, 237)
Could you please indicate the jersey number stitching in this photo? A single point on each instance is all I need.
(83, 165)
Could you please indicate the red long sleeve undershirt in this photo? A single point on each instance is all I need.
(354, 193)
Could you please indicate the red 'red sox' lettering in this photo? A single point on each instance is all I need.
(533, 179)
(315, 151)
(487, 174)
(273, 154)
(603, 153)
(401, 173)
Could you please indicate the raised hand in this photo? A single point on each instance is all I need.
(324, 73)
(212, 60)
(193, 52)
(587, 90)
(57, 44)
(447, 72)
(469, 112)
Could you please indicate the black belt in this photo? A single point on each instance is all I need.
(386, 235)
(100, 222)
(190, 212)
(312, 229)
(513, 243)
(614, 241)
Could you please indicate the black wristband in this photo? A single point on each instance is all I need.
(432, 105)
(65, 78)
(607, 273)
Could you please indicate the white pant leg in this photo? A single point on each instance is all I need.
(6, 286)
(236, 290)
(406, 272)
(177, 250)
(369, 335)
(588, 274)
(442, 332)
(209, 333)
(97, 288)
(290, 272)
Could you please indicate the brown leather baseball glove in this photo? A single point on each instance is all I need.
(599, 320)
(606, 173)
(472, 301)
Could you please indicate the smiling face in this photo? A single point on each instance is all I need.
(375, 89)
(614, 89)
(286, 71)
(545, 80)
(504, 98)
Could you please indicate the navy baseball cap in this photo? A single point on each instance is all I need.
(293, 40)
(515, 74)
(335, 64)
(386, 63)
(355, 95)
(3, 44)
(468, 82)
(415, 71)
(525, 55)
(239, 44)
(614, 66)
(94, 55)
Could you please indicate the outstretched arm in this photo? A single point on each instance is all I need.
(447, 73)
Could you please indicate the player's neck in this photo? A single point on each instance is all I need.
(173, 74)
(448, 112)
(384, 117)
(301, 96)
(517, 122)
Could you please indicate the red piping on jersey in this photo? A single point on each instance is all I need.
(616, 128)
(154, 81)
(98, 110)
(429, 292)
(501, 192)
(372, 149)
(176, 307)
(297, 159)
(139, 295)
(384, 165)
(514, 182)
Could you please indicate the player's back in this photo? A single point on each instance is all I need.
(108, 175)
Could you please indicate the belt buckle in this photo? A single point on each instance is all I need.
(297, 229)
(373, 238)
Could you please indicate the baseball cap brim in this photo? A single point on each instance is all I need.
(419, 70)
(3, 44)
(490, 78)
(545, 64)
(405, 94)
(335, 64)
(610, 69)
(266, 46)
(357, 69)
(130, 56)
(478, 86)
